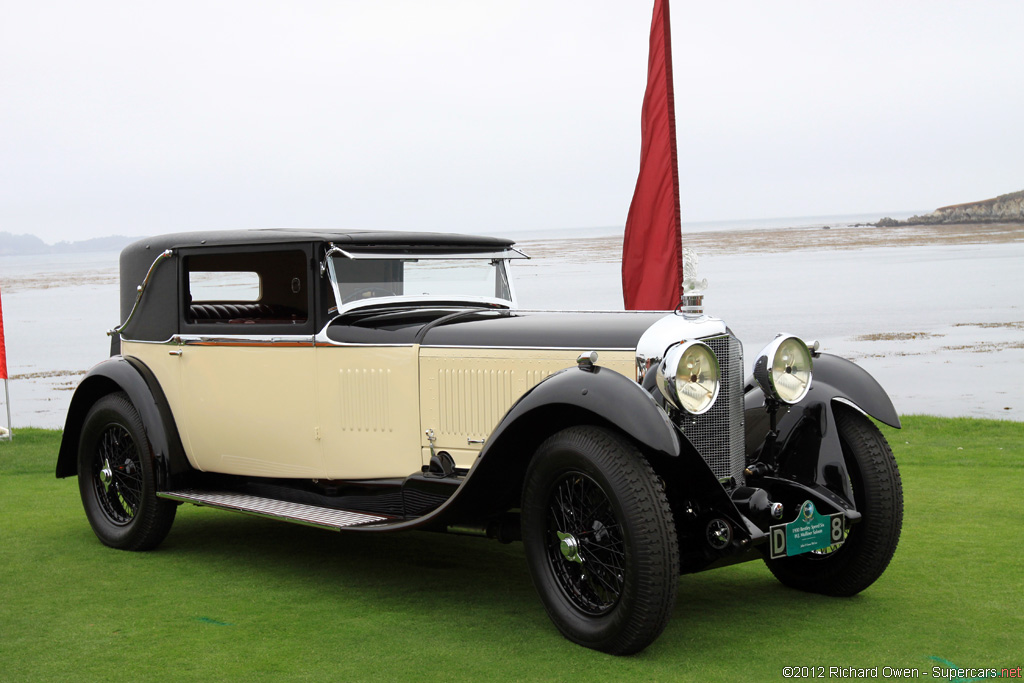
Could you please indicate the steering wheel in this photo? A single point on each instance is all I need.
(368, 293)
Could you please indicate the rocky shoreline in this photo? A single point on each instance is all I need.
(1006, 208)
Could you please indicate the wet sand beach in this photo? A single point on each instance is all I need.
(603, 249)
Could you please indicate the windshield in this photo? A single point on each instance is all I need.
(482, 280)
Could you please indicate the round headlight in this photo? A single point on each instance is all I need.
(689, 377)
(783, 369)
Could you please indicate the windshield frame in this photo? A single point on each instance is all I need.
(501, 260)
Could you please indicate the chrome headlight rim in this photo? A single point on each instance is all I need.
(768, 361)
(694, 394)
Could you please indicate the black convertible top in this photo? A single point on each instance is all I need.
(385, 239)
(156, 320)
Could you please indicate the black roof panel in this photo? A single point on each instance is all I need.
(361, 238)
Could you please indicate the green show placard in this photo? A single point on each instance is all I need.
(809, 531)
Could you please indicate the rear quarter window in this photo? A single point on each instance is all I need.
(224, 286)
(247, 288)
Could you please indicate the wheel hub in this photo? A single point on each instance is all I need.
(106, 475)
(570, 547)
(719, 534)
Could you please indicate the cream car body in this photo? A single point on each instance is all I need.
(230, 399)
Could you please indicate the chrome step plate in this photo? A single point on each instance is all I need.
(311, 515)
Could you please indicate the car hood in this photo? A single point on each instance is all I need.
(487, 328)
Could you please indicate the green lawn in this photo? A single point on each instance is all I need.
(230, 597)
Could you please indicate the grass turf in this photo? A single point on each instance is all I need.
(229, 597)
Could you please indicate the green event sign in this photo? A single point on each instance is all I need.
(809, 531)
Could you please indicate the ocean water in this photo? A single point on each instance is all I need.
(941, 327)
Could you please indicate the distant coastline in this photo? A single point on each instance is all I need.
(27, 245)
(1006, 208)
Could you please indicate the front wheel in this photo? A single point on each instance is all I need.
(849, 568)
(117, 479)
(600, 541)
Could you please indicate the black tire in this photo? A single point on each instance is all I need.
(610, 583)
(849, 568)
(117, 479)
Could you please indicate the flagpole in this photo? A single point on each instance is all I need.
(7, 402)
(3, 375)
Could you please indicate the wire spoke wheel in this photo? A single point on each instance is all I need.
(599, 540)
(585, 545)
(117, 477)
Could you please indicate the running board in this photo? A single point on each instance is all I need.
(310, 515)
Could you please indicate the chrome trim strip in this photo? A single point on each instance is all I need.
(267, 338)
(170, 340)
(254, 340)
(178, 340)
(140, 289)
(322, 340)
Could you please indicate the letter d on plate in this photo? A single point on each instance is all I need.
(778, 541)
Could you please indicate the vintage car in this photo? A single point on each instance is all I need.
(380, 381)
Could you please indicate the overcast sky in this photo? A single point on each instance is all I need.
(485, 116)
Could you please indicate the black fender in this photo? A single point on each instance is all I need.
(808, 442)
(135, 379)
(581, 395)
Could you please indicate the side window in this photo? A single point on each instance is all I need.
(247, 288)
(216, 285)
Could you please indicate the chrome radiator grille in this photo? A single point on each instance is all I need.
(718, 434)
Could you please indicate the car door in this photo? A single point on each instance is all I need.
(247, 362)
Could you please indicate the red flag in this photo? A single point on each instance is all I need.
(652, 250)
(3, 349)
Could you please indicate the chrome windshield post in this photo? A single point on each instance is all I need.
(331, 251)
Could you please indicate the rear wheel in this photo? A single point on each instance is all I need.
(117, 479)
(852, 566)
(600, 541)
